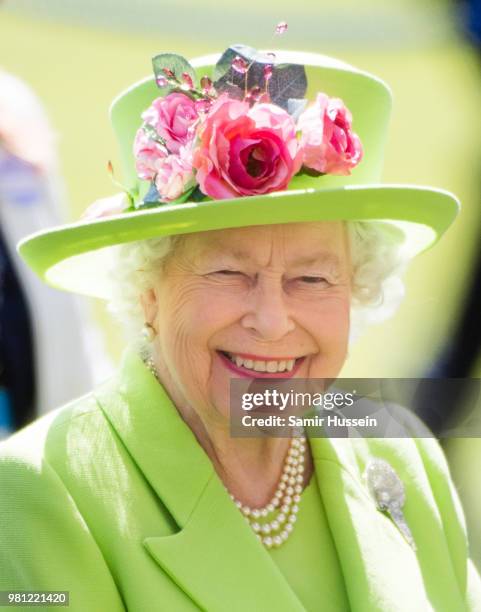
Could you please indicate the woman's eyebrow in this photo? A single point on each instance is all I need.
(324, 257)
(228, 254)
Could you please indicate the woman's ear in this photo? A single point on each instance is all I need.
(148, 301)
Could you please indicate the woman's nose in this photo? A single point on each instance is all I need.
(268, 315)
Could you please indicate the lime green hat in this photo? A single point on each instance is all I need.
(76, 257)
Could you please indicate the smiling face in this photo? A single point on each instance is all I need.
(265, 301)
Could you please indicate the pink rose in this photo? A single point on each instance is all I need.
(148, 154)
(175, 175)
(174, 118)
(245, 150)
(329, 144)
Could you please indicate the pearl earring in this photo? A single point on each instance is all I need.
(148, 332)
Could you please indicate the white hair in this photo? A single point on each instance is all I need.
(378, 265)
(377, 269)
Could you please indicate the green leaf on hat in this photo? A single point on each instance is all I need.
(176, 64)
(197, 195)
(309, 172)
(153, 198)
(152, 133)
(287, 82)
(184, 197)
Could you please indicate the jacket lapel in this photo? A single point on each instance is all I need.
(218, 561)
(212, 553)
(376, 564)
(381, 570)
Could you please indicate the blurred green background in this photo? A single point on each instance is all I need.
(78, 55)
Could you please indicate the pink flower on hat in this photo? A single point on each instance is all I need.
(245, 150)
(148, 154)
(329, 144)
(173, 117)
(106, 207)
(175, 175)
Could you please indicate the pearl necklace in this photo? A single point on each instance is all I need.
(272, 533)
(285, 501)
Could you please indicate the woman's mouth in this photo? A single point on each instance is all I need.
(255, 366)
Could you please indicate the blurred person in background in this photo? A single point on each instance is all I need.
(37, 324)
(470, 20)
(462, 350)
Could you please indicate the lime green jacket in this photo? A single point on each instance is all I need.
(112, 499)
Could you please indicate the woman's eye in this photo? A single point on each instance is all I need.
(313, 280)
(227, 272)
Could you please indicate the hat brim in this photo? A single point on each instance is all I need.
(76, 257)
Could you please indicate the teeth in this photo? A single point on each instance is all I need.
(263, 366)
(271, 366)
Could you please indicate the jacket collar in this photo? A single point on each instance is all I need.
(214, 556)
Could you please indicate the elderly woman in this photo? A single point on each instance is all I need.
(253, 243)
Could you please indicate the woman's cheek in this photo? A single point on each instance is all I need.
(196, 317)
(213, 310)
(336, 326)
(328, 326)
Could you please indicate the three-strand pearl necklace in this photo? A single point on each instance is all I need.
(274, 522)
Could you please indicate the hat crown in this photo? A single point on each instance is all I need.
(366, 96)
